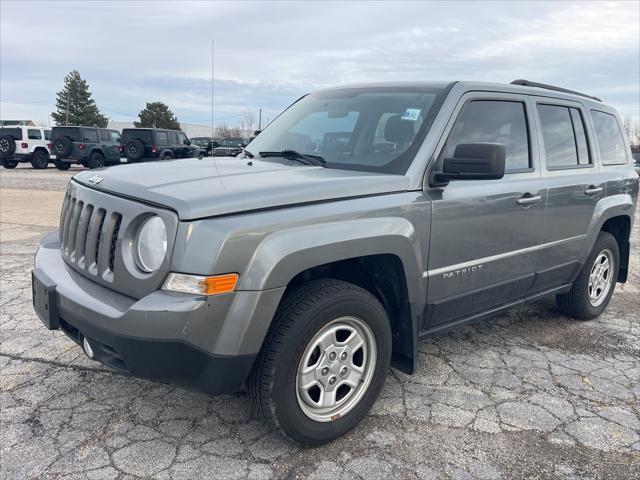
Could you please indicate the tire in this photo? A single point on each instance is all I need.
(8, 163)
(582, 302)
(7, 146)
(60, 165)
(134, 150)
(304, 314)
(166, 156)
(96, 160)
(40, 160)
(62, 147)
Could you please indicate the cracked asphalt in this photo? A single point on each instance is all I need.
(527, 394)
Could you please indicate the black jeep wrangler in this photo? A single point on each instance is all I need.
(142, 144)
(90, 146)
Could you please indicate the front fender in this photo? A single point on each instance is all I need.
(284, 254)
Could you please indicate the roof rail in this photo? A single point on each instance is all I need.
(527, 83)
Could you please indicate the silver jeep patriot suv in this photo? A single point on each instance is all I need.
(358, 222)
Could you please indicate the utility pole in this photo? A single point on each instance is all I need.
(212, 127)
(66, 121)
(260, 120)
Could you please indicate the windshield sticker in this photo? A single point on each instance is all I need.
(411, 114)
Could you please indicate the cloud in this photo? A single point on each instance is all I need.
(268, 54)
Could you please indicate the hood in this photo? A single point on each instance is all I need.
(206, 188)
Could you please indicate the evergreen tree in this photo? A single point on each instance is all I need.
(74, 104)
(157, 115)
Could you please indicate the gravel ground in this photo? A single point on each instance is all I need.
(527, 394)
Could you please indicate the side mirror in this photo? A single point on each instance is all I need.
(474, 161)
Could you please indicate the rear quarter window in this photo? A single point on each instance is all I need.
(14, 132)
(613, 150)
(131, 134)
(72, 133)
(90, 135)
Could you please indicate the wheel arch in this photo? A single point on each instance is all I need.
(613, 214)
(384, 264)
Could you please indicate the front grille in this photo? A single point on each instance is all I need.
(89, 236)
(97, 235)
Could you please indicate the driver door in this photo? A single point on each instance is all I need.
(485, 234)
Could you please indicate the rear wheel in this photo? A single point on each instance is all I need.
(595, 283)
(96, 160)
(60, 165)
(323, 362)
(7, 163)
(40, 160)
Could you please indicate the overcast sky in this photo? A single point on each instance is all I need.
(268, 54)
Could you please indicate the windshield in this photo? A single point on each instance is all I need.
(201, 142)
(370, 129)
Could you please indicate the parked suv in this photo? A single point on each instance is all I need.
(151, 143)
(206, 143)
(365, 219)
(24, 144)
(91, 147)
(230, 147)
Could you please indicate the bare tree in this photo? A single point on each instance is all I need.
(247, 123)
(632, 130)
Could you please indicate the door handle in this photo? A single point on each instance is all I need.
(527, 199)
(592, 190)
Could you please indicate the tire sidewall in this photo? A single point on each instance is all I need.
(40, 160)
(8, 163)
(290, 416)
(604, 241)
(96, 160)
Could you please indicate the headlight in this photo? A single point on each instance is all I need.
(151, 244)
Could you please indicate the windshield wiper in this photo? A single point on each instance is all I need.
(300, 157)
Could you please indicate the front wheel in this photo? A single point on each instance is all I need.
(323, 362)
(595, 283)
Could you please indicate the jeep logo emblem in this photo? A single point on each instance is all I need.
(96, 179)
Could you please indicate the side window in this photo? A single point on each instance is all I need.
(499, 121)
(47, 134)
(173, 138)
(563, 133)
(34, 134)
(104, 136)
(581, 137)
(182, 138)
(90, 135)
(115, 137)
(161, 138)
(610, 140)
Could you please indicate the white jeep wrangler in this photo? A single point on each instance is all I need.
(25, 144)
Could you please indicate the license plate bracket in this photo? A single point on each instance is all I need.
(44, 299)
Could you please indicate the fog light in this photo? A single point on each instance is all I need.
(87, 348)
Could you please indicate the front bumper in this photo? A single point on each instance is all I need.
(201, 342)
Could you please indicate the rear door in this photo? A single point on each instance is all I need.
(106, 145)
(486, 234)
(575, 185)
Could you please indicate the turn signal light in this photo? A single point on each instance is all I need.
(201, 285)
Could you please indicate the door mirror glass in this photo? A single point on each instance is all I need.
(474, 161)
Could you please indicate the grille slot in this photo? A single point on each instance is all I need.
(89, 236)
